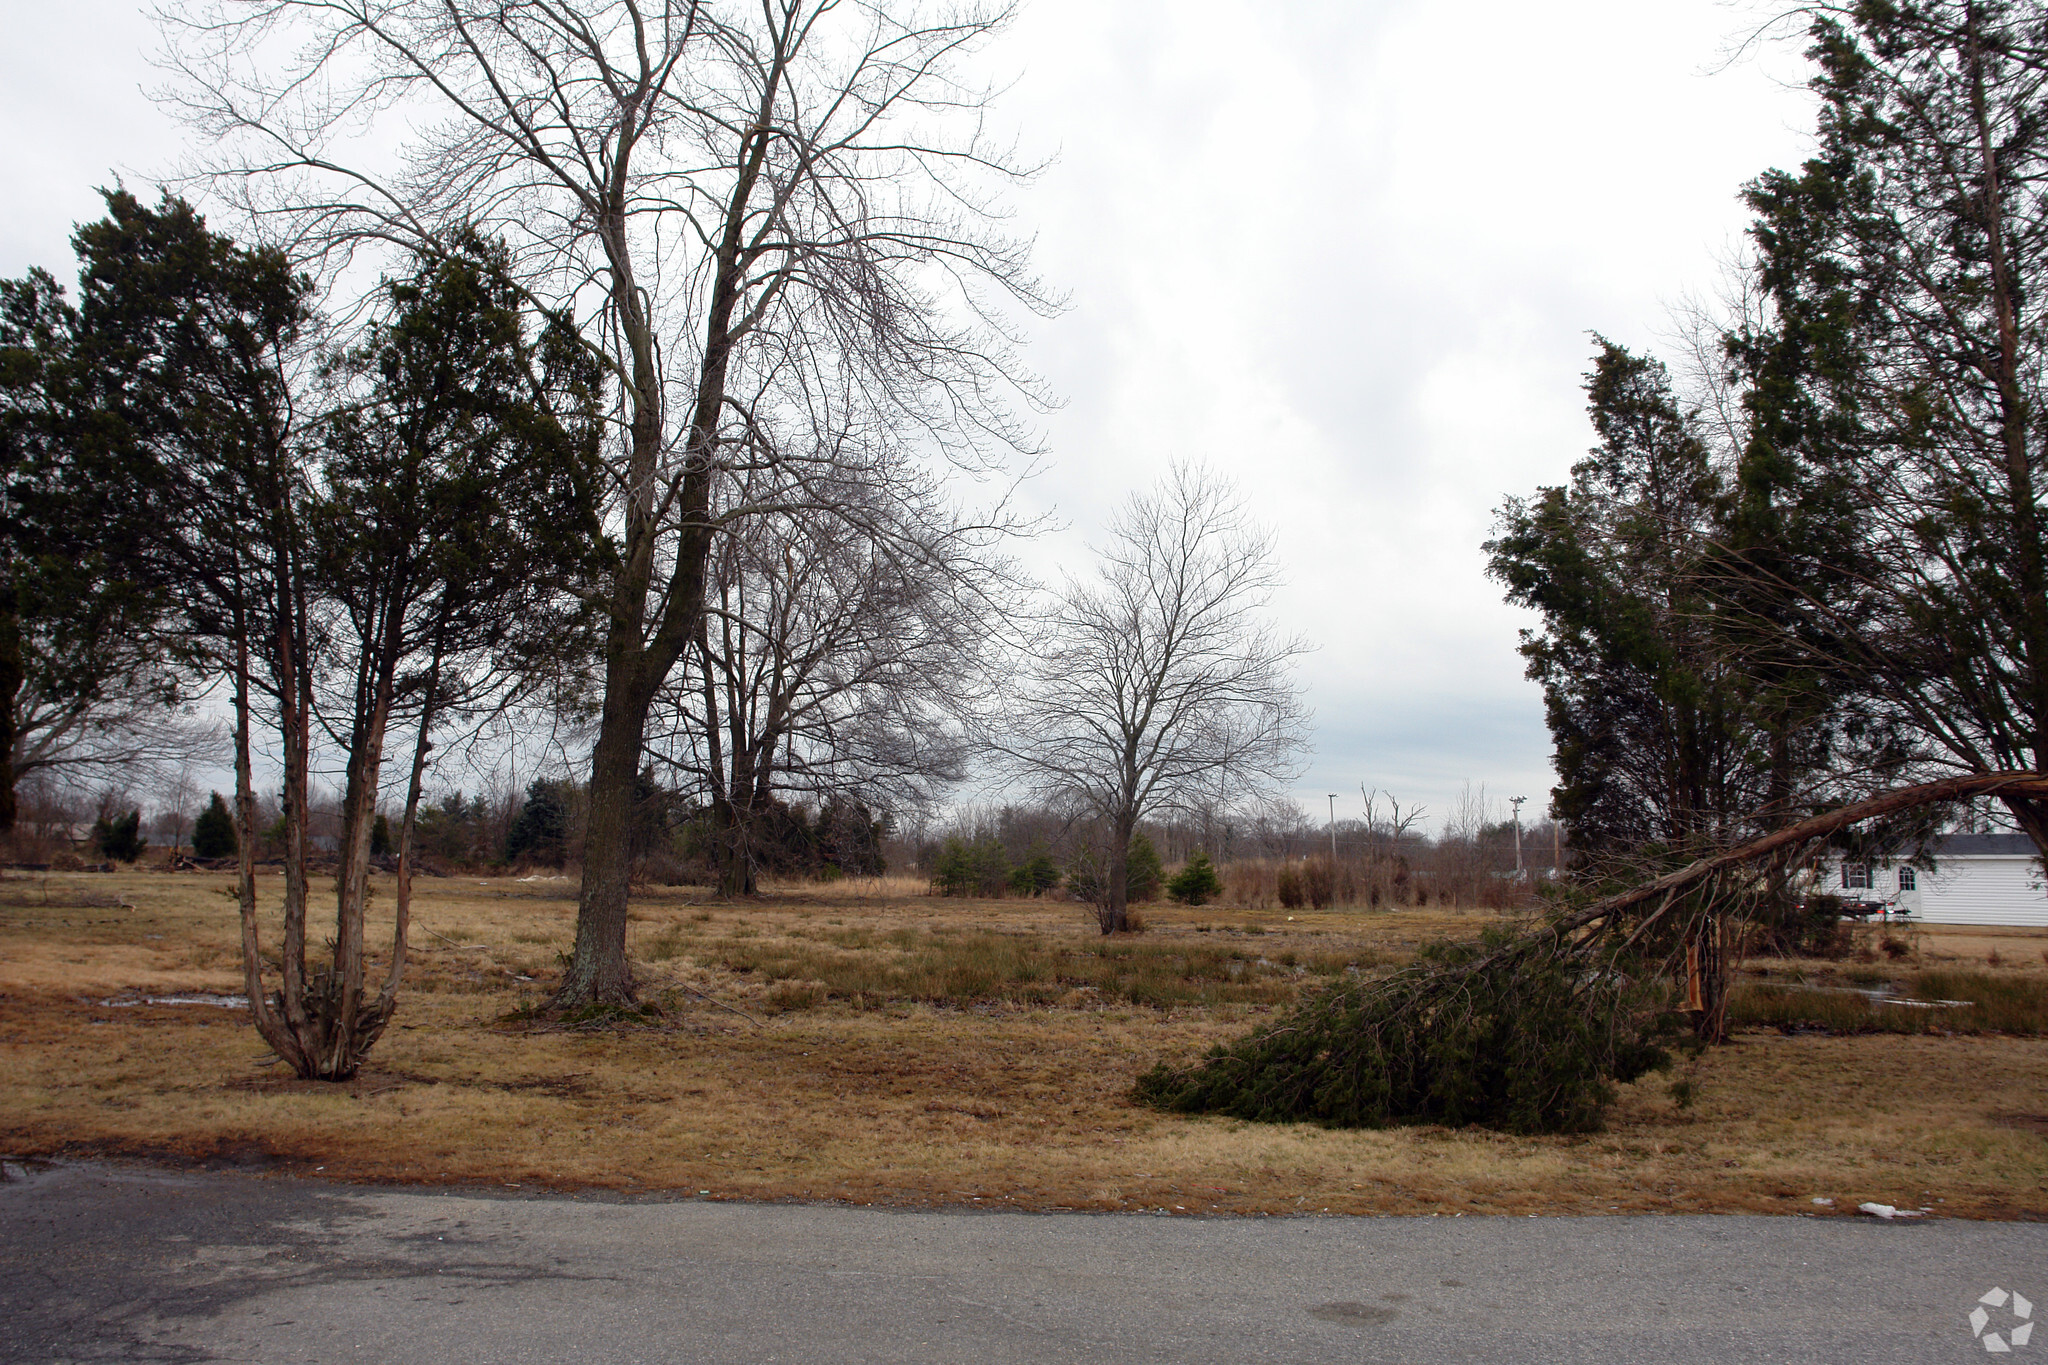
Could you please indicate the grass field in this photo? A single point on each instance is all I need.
(861, 1042)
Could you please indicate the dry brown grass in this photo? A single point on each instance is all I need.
(890, 1055)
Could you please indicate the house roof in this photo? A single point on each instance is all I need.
(1963, 845)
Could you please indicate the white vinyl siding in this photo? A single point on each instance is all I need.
(1983, 890)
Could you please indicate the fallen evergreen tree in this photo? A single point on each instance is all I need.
(1521, 1034)
(1528, 1032)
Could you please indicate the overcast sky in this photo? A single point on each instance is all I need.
(1348, 253)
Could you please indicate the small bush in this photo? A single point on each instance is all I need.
(119, 837)
(1288, 889)
(1196, 883)
(977, 869)
(1319, 883)
(1036, 875)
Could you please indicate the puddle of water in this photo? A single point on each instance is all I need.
(1876, 995)
(226, 1002)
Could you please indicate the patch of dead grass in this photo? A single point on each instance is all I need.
(864, 1081)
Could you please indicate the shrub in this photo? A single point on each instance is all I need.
(119, 837)
(952, 872)
(1319, 883)
(380, 837)
(1036, 875)
(1288, 890)
(977, 869)
(1196, 882)
(213, 833)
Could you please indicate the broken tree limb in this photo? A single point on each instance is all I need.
(2029, 785)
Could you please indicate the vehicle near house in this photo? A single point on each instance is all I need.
(1992, 879)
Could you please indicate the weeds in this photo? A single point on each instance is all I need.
(1993, 1004)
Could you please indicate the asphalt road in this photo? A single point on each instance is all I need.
(100, 1263)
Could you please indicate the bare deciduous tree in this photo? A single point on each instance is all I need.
(843, 645)
(1157, 682)
(758, 216)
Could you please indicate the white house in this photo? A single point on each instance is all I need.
(1978, 879)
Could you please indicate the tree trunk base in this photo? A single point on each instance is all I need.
(328, 1048)
(586, 995)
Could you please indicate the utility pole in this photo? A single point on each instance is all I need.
(1333, 834)
(1516, 802)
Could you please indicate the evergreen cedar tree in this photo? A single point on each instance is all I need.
(1196, 883)
(1852, 590)
(414, 518)
(81, 642)
(119, 837)
(1650, 725)
(540, 831)
(213, 833)
(1888, 502)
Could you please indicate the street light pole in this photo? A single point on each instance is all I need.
(1333, 834)
(1516, 802)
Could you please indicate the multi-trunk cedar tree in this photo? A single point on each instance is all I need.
(349, 540)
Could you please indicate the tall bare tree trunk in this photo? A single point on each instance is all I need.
(635, 667)
(294, 737)
(351, 1028)
(1116, 895)
(387, 997)
(598, 973)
